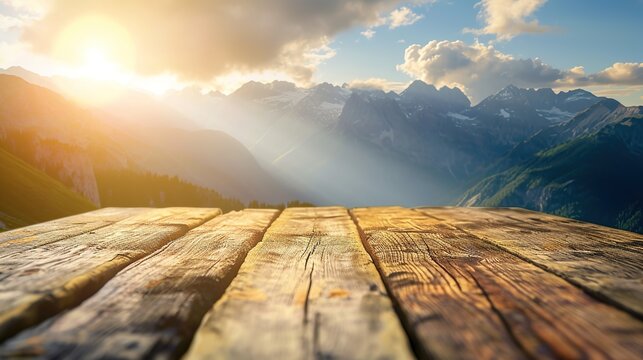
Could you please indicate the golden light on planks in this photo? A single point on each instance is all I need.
(320, 282)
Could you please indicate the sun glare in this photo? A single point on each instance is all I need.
(97, 43)
(98, 65)
(97, 49)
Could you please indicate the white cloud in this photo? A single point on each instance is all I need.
(368, 33)
(402, 17)
(481, 70)
(10, 22)
(206, 39)
(18, 13)
(618, 73)
(508, 18)
(33, 7)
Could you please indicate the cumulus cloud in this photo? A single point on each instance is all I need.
(481, 70)
(368, 33)
(507, 18)
(202, 39)
(618, 73)
(403, 17)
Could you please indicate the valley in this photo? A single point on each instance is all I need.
(274, 143)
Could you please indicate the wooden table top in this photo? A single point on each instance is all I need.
(325, 282)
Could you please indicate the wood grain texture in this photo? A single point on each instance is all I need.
(308, 290)
(38, 282)
(67, 227)
(607, 263)
(152, 308)
(462, 297)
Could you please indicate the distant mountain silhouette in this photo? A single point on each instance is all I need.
(328, 144)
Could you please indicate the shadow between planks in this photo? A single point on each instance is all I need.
(328, 282)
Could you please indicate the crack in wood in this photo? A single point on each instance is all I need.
(307, 298)
(502, 318)
(438, 263)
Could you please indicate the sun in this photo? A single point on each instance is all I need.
(101, 52)
(98, 65)
(97, 47)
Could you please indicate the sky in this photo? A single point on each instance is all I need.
(478, 46)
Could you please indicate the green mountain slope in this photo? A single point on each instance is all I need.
(596, 178)
(28, 195)
(134, 188)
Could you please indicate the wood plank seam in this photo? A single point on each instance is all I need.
(178, 274)
(589, 291)
(418, 349)
(308, 290)
(59, 299)
(24, 305)
(414, 341)
(544, 327)
(29, 246)
(503, 320)
(64, 237)
(27, 234)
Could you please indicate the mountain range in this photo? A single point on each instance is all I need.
(81, 149)
(569, 153)
(424, 145)
(589, 168)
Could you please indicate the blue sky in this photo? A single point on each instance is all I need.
(591, 33)
(594, 44)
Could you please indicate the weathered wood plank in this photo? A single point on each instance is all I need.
(183, 216)
(38, 282)
(308, 290)
(598, 232)
(152, 308)
(607, 263)
(462, 297)
(63, 228)
(179, 216)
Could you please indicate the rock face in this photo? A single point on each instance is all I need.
(71, 145)
(588, 168)
(41, 128)
(419, 93)
(570, 153)
(544, 102)
(295, 132)
(594, 119)
(423, 136)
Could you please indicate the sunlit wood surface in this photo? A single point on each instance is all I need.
(331, 282)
